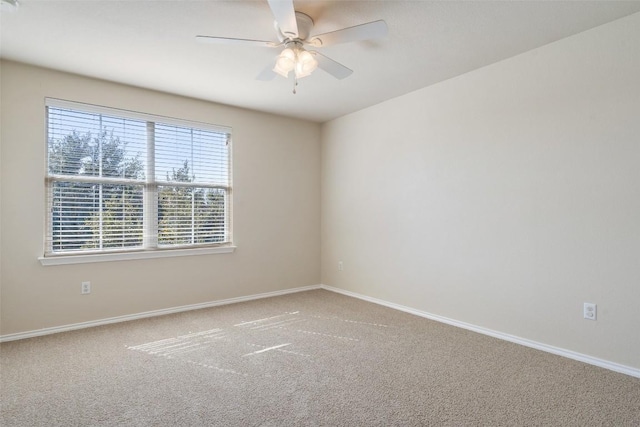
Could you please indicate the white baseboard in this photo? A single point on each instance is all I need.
(634, 372)
(74, 326)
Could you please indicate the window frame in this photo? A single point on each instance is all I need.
(150, 247)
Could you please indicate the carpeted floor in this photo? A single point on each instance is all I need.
(310, 358)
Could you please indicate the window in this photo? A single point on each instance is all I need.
(119, 181)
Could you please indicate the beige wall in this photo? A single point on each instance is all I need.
(504, 198)
(276, 210)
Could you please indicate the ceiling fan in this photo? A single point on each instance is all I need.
(294, 33)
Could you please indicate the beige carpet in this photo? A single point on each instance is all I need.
(311, 358)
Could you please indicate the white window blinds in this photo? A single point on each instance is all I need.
(118, 180)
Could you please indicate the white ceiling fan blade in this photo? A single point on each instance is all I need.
(332, 67)
(267, 74)
(231, 40)
(368, 31)
(285, 16)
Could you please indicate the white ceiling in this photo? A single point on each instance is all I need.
(152, 44)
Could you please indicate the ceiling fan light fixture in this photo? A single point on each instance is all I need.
(305, 65)
(295, 58)
(286, 62)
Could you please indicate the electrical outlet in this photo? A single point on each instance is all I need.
(590, 311)
(340, 266)
(85, 288)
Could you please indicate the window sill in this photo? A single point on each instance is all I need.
(125, 256)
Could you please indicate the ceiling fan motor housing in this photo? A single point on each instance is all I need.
(305, 24)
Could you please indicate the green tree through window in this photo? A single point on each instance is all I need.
(100, 194)
(189, 215)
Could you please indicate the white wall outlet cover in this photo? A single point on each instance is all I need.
(590, 311)
(85, 287)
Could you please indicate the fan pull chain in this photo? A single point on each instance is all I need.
(295, 83)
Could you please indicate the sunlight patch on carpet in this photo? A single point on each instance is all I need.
(244, 348)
